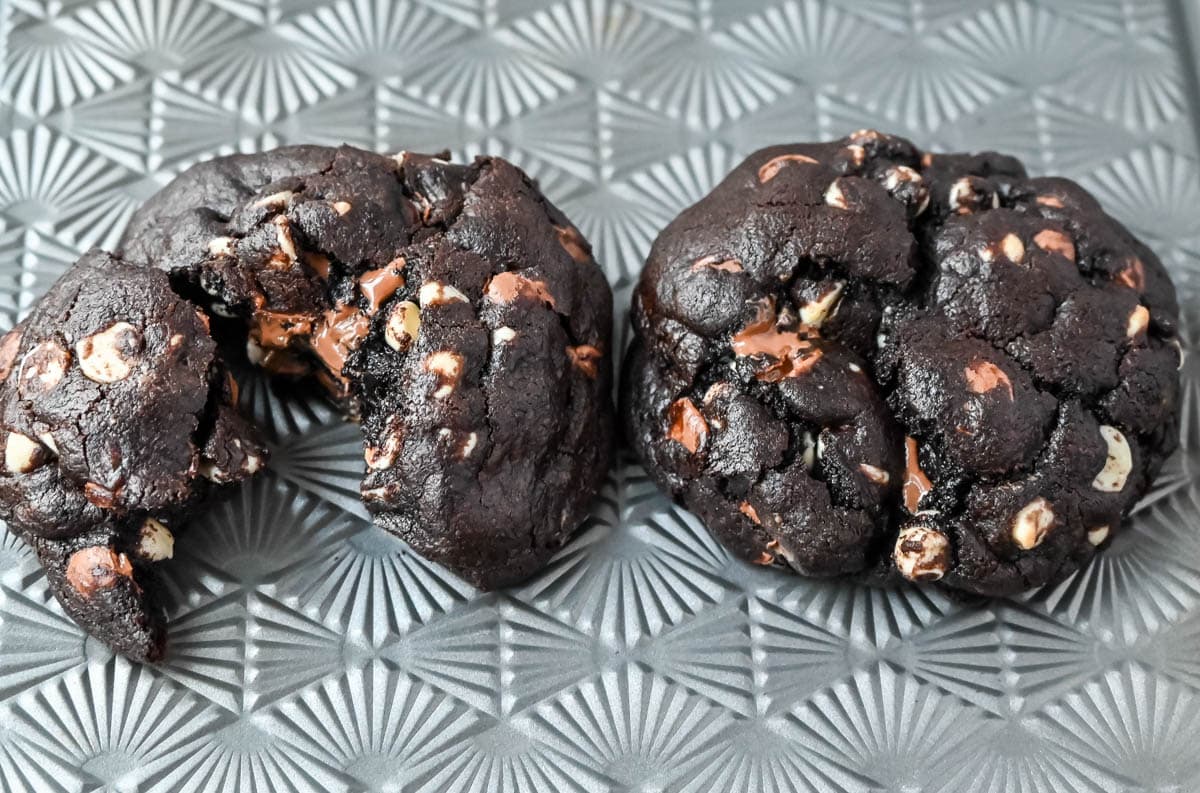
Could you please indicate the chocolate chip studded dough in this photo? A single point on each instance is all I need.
(859, 358)
(451, 308)
(117, 417)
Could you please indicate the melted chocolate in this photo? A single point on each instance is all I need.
(341, 330)
(379, 285)
(506, 287)
(276, 329)
(574, 244)
(688, 427)
(916, 483)
(984, 376)
(791, 350)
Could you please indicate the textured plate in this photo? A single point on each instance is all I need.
(311, 652)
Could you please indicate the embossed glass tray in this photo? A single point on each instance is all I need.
(311, 652)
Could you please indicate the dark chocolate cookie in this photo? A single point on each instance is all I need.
(117, 418)
(451, 308)
(856, 357)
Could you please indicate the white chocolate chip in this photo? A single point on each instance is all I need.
(156, 542)
(403, 325)
(108, 356)
(274, 200)
(448, 368)
(48, 440)
(252, 463)
(254, 353)
(383, 456)
(1054, 241)
(1139, 320)
(283, 235)
(22, 454)
(43, 368)
(815, 312)
(342, 207)
(834, 196)
(399, 157)
(959, 191)
(1032, 523)
(1013, 248)
(503, 335)
(380, 493)
(874, 473)
(221, 246)
(468, 445)
(209, 470)
(433, 293)
(921, 553)
(808, 456)
(898, 175)
(1097, 535)
(853, 367)
(1118, 464)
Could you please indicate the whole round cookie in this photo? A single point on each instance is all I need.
(857, 357)
(117, 417)
(450, 308)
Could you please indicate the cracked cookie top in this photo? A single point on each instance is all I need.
(107, 360)
(450, 307)
(116, 416)
(994, 355)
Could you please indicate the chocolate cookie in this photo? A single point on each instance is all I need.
(451, 308)
(117, 418)
(856, 357)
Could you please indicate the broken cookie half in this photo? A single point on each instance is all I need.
(116, 417)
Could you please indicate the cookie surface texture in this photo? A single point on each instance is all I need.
(860, 358)
(117, 419)
(450, 308)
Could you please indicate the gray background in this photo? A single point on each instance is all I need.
(312, 652)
